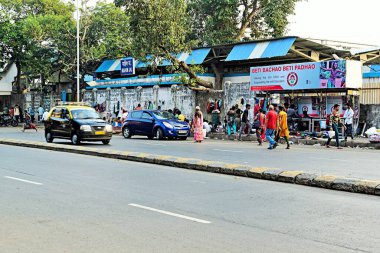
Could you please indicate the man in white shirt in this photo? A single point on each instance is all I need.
(45, 115)
(348, 122)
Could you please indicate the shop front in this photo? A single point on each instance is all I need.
(312, 88)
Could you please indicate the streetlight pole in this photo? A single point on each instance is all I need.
(78, 54)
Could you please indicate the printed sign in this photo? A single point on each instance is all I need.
(127, 66)
(300, 76)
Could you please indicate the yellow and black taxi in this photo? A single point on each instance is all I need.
(76, 122)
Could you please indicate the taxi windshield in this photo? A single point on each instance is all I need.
(84, 114)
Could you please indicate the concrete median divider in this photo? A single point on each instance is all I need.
(332, 182)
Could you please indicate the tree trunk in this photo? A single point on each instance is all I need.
(247, 21)
(18, 77)
(206, 85)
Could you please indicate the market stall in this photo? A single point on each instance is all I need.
(312, 88)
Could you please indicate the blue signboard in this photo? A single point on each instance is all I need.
(127, 67)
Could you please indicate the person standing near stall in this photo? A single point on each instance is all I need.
(282, 126)
(348, 121)
(334, 123)
(271, 126)
(245, 122)
(198, 125)
(16, 112)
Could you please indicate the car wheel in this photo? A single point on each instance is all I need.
(49, 137)
(14, 123)
(183, 138)
(75, 139)
(127, 133)
(105, 142)
(159, 134)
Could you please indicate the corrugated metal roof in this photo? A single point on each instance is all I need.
(196, 57)
(263, 49)
(370, 93)
(105, 66)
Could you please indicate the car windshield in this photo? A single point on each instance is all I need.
(85, 114)
(163, 115)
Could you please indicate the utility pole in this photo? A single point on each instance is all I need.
(78, 54)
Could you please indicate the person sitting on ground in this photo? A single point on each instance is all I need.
(138, 108)
(207, 127)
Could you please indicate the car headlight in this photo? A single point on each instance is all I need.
(167, 125)
(86, 128)
(109, 128)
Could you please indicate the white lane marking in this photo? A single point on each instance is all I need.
(170, 213)
(226, 150)
(23, 180)
(154, 144)
(331, 159)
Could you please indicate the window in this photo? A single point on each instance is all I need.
(136, 115)
(85, 114)
(146, 115)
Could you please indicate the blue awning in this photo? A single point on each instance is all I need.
(259, 50)
(196, 57)
(107, 66)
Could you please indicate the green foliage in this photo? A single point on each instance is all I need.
(213, 22)
(224, 21)
(158, 26)
(40, 35)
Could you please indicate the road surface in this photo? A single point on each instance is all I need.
(61, 202)
(350, 162)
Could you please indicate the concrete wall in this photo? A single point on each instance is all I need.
(237, 91)
(6, 80)
(371, 115)
(166, 97)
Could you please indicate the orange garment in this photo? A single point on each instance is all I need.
(282, 123)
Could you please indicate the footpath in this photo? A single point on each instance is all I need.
(356, 143)
(332, 182)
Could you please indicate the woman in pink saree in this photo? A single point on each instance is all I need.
(198, 125)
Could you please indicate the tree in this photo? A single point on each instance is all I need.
(225, 21)
(19, 30)
(160, 28)
(40, 36)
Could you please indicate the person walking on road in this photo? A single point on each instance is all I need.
(334, 124)
(348, 121)
(282, 126)
(40, 113)
(198, 125)
(16, 113)
(31, 114)
(245, 122)
(260, 125)
(271, 126)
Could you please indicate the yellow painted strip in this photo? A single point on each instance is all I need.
(291, 173)
(327, 178)
(369, 183)
(232, 166)
(258, 170)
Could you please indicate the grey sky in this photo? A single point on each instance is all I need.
(344, 20)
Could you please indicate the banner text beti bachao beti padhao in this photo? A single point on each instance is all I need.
(299, 76)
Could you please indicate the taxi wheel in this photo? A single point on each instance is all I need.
(75, 139)
(49, 137)
(127, 133)
(105, 142)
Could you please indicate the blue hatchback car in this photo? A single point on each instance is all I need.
(153, 123)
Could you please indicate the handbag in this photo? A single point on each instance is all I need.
(331, 134)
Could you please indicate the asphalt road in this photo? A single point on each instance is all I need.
(59, 202)
(355, 163)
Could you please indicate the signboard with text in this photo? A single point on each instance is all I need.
(310, 75)
(127, 67)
